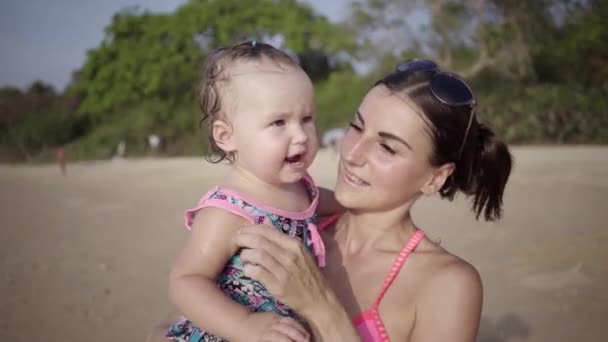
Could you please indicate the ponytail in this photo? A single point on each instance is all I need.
(489, 174)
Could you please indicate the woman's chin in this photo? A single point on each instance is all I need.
(348, 198)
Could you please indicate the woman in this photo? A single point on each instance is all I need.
(414, 134)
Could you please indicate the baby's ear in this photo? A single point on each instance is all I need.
(222, 135)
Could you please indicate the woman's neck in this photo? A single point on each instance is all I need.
(359, 232)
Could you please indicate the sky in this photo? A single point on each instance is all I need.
(47, 40)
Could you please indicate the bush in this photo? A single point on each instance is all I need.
(547, 113)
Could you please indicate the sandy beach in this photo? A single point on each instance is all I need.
(85, 256)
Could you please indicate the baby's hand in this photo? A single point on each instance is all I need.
(270, 327)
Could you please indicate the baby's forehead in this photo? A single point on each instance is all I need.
(262, 66)
(269, 94)
(273, 77)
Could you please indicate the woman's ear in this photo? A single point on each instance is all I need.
(438, 177)
(222, 135)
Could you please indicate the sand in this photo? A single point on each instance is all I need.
(86, 256)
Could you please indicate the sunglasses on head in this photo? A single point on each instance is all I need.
(447, 88)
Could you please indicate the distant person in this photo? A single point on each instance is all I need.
(260, 111)
(332, 139)
(61, 159)
(154, 142)
(121, 150)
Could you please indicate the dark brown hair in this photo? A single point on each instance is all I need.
(482, 162)
(215, 77)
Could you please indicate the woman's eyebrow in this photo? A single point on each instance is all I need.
(386, 135)
(360, 117)
(391, 136)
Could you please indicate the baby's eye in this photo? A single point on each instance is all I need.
(278, 123)
(307, 119)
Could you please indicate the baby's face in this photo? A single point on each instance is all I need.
(272, 112)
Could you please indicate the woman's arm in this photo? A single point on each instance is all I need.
(330, 322)
(291, 275)
(449, 308)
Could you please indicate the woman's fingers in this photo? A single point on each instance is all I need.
(282, 264)
(287, 329)
(261, 274)
(271, 234)
(290, 333)
(293, 329)
(259, 256)
(275, 336)
(256, 238)
(264, 240)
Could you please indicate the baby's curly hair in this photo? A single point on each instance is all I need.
(215, 76)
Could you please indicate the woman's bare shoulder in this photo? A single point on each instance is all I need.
(446, 272)
(449, 302)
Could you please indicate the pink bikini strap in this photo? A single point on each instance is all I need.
(411, 244)
(328, 222)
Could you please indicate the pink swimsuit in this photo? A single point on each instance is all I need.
(232, 281)
(368, 323)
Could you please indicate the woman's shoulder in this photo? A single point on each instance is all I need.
(458, 272)
(449, 302)
(448, 274)
(444, 263)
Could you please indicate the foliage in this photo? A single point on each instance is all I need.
(538, 69)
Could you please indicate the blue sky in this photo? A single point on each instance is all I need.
(47, 40)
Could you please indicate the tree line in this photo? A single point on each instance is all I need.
(538, 69)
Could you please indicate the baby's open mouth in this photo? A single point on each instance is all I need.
(295, 159)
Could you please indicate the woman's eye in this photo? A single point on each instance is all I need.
(355, 127)
(278, 123)
(387, 148)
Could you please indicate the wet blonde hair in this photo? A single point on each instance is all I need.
(215, 79)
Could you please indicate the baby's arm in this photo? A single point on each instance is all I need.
(327, 203)
(192, 282)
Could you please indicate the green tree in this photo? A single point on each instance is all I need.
(144, 75)
(32, 121)
(576, 52)
(157, 55)
(462, 35)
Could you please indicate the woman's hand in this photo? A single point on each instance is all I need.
(283, 265)
(259, 327)
(289, 272)
(270, 327)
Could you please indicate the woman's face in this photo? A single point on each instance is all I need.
(384, 157)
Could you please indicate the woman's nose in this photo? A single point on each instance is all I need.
(353, 151)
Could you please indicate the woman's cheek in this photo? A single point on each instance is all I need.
(385, 169)
(392, 173)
